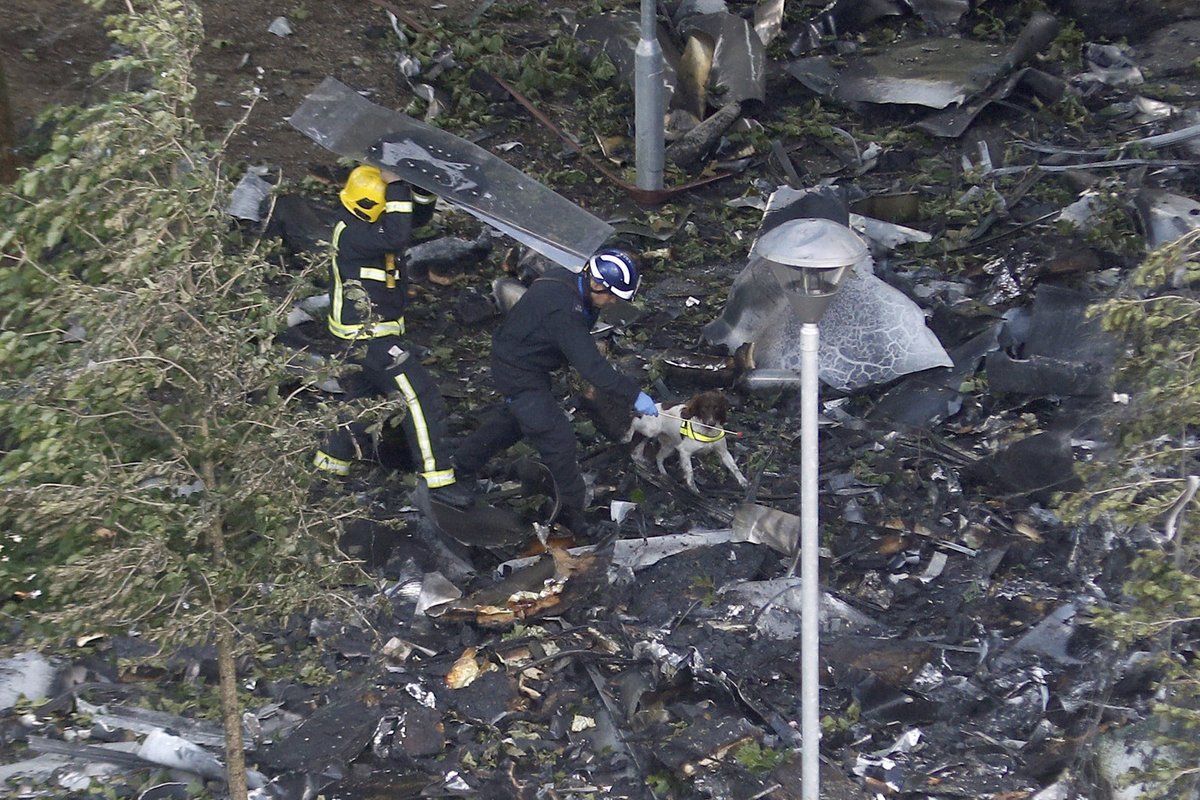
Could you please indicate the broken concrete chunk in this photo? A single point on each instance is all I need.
(29, 675)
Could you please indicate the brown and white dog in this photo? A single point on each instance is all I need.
(686, 429)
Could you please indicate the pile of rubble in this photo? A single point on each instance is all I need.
(663, 660)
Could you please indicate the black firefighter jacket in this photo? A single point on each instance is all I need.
(372, 253)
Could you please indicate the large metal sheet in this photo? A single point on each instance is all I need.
(933, 72)
(343, 121)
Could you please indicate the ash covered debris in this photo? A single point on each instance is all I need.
(956, 658)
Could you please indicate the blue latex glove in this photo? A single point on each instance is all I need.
(645, 405)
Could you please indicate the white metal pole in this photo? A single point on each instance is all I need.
(648, 94)
(810, 595)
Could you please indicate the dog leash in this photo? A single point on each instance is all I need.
(738, 434)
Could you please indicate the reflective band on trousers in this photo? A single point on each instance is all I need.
(327, 463)
(366, 330)
(433, 476)
(402, 206)
(687, 430)
(438, 478)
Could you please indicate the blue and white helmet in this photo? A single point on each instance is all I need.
(616, 271)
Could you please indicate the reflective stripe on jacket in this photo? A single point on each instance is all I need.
(372, 255)
(689, 431)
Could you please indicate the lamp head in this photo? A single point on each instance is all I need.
(809, 258)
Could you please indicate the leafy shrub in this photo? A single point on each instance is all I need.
(152, 456)
(1151, 483)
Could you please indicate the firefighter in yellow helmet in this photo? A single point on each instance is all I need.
(368, 288)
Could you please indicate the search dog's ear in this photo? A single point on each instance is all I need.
(709, 407)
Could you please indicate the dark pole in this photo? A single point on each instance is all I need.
(8, 138)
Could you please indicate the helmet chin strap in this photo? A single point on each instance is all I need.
(587, 287)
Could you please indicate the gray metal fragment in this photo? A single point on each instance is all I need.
(249, 194)
(1165, 216)
(933, 72)
(1049, 638)
(768, 20)
(175, 752)
(325, 743)
(1111, 65)
(40, 768)
(147, 721)
(842, 17)
(1052, 348)
(782, 619)
(758, 524)
(616, 35)
(449, 253)
(639, 554)
(436, 593)
(343, 121)
(280, 27)
(871, 332)
(738, 69)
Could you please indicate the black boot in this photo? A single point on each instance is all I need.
(574, 520)
(458, 494)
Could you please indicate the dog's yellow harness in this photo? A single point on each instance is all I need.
(687, 430)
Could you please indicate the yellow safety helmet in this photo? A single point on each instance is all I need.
(363, 194)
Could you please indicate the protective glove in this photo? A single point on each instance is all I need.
(645, 405)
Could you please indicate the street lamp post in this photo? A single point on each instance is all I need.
(809, 258)
(648, 96)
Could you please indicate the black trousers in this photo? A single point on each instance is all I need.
(536, 417)
(388, 368)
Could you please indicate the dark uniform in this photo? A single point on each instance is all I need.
(547, 329)
(368, 294)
